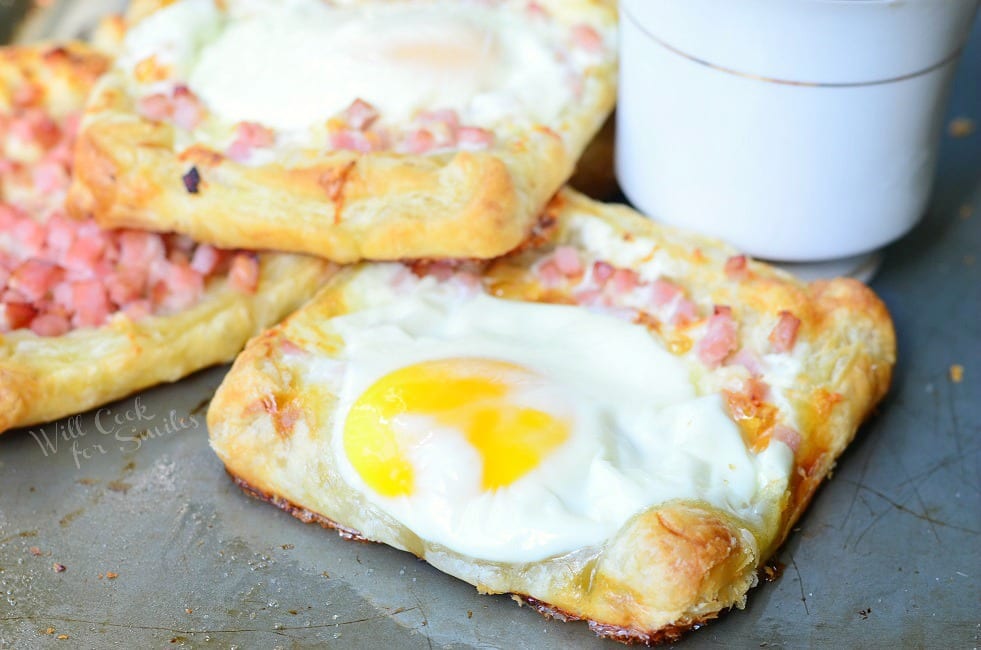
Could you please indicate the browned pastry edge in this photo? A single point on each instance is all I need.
(304, 515)
(629, 636)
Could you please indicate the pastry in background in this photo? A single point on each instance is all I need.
(360, 130)
(90, 315)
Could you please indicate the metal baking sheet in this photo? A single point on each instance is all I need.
(159, 549)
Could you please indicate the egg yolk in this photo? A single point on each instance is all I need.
(469, 395)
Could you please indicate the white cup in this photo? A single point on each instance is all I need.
(798, 130)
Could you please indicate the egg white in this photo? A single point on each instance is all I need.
(641, 433)
(292, 64)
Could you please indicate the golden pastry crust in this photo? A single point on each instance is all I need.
(341, 205)
(670, 567)
(44, 378)
(62, 74)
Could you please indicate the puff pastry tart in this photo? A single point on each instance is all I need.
(348, 130)
(617, 423)
(89, 315)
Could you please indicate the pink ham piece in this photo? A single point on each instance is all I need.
(602, 272)
(248, 137)
(663, 292)
(472, 138)
(736, 267)
(419, 141)
(720, 338)
(685, 312)
(30, 235)
(567, 261)
(35, 127)
(360, 115)
(625, 280)
(587, 38)
(188, 112)
(49, 176)
(787, 435)
(244, 272)
(351, 140)
(15, 315)
(91, 302)
(784, 334)
(50, 324)
(34, 279)
(57, 274)
(206, 259)
(156, 107)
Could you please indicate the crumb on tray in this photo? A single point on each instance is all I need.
(961, 127)
(957, 373)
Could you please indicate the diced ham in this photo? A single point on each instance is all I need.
(720, 338)
(140, 249)
(84, 253)
(27, 94)
(49, 177)
(91, 303)
(206, 259)
(180, 288)
(625, 280)
(784, 334)
(156, 107)
(736, 267)
(756, 389)
(15, 315)
(9, 216)
(472, 138)
(126, 287)
(567, 261)
(360, 115)
(244, 272)
(50, 324)
(249, 136)
(188, 111)
(602, 272)
(34, 279)
(419, 141)
(663, 292)
(446, 116)
(350, 140)
(587, 38)
(58, 273)
(35, 127)
(61, 234)
(685, 312)
(138, 309)
(549, 273)
(591, 298)
(748, 360)
(536, 10)
(30, 236)
(787, 435)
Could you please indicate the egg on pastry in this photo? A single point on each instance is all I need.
(89, 315)
(349, 130)
(617, 423)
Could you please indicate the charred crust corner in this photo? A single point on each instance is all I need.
(625, 635)
(192, 180)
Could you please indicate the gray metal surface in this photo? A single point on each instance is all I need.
(889, 554)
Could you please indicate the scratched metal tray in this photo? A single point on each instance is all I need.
(158, 547)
